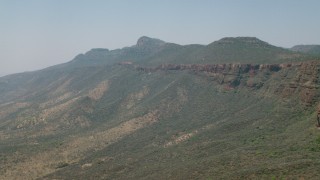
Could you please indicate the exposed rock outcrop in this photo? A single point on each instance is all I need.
(145, 41)
(289, 79)
(217, 68)
(305, 83)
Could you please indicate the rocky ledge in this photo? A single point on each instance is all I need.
(286, 80)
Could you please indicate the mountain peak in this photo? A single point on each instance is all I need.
(248, 40)
(241, 42)
(147, 41)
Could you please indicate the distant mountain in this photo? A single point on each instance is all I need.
(247, 50)
(308, 49)
(238, 108)
(150, 51)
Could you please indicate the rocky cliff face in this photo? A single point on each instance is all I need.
(305, 83)
(286, 80)
(147, 42)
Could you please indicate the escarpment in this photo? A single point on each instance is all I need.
(286, 80)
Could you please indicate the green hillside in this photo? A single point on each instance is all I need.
(157, 110)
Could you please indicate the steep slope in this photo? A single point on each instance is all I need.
(308, 49)
(150, 52)
(104, 118)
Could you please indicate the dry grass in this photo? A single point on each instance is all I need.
(98, 140)
(170, 106)
(63, 87)
(99, 91)
(55, 101)
(11, 108)
(74, 149)
(133, 98)
(57, 109)
(181, 138)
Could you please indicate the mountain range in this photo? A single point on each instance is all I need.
(237, 108)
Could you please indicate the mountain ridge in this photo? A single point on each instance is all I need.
(229, 49)
(236, 109)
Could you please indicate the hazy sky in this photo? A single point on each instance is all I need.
(39, 33)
